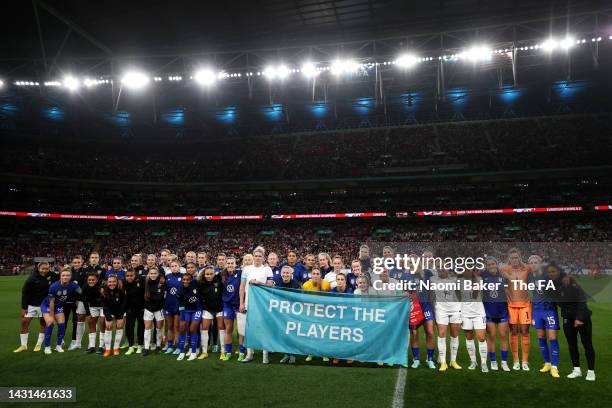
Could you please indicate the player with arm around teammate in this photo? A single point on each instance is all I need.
(285, 280)
(545, 318)
(154, 292)
(448, 313)
(114, 302)
(92, 302)
(210, 288)
(35, 290)
(190, 308)
(473, 318)
(496, 310)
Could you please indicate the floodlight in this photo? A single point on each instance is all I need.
(205, 77)
(135, 80)
(71, 83)
(477, 53)
(406, 61)
(309, 70)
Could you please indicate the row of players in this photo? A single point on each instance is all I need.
(193, 299)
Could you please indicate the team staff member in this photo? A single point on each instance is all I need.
(210, 288)
(34, 291)
(76, 307)
(114, 302)
(91, 297)
(134, 290)
(576, 319)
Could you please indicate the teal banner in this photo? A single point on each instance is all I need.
(347, 327)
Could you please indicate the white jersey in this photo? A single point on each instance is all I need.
(445, 293)
(260, 274)
(331, 278)
(471, 300)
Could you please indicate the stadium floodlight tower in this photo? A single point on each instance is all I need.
(476, 54)
(71, 83)
(347, 66)
(205, 77)
(277, 72)
(309, 70)
(135, 80)
(406, 61)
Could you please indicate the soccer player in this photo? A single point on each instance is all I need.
(421, 278)
(545, 318)
(116, 269)
(171, 307)
(164, 259)
(305, 273)
(496, 309)
(192, 269)
(337, 266)
(221, 258)
(231, 303)
(35, 290)
(364, 288)
(190, 257)
(292, 261)
(316, 282)
(354, 274)
(52, 308)
(285, 279)
(273, 264)
(136, 265)
(190, 307)
(576, 319)
(151, 263)
(113, 305)
(364, 259)
(447, 313)
(91, 297)
(210, 288)
(325, 263)
(519, 307)
(154, 293)
(256, 274)
(202, 261)
(341, 284)
(247, 260)
(473, 318)
(134, 289)
(77, 309)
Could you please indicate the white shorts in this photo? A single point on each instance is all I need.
(149, 316)
(80, 309)
(208, 316)
(448, 316)
(96, 311)
(33, 311)
(241, 320)
(473, 323)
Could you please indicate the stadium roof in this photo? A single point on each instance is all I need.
(78, 29)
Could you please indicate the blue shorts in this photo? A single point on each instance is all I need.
(191, 316)
(44, 308)
(229, 311)
(428, 312)
(497, 312)
(171, 310)
(545, 319)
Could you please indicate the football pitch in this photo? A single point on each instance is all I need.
(160, 380)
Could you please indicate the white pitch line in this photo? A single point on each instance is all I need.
(400, 384)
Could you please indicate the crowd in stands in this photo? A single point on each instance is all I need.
(529, 143)
(22, 240)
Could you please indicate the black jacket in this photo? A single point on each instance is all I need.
(79, 276)
(114, 302)
(35, 289)
(571, 298)
(156, 294)
(98, 270)
(210, 294)
(91, 296)
(135, 293)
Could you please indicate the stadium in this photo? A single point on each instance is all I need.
(167, 166)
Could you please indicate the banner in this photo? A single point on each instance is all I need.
(347, 327)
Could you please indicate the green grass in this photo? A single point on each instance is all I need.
(159, 380)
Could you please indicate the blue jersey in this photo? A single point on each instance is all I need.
(189, 298)
(398, 274)
(351, 280)
(231, 288)
(421, 290)
(276, 271)
(325, 271)
(348, 290)
(173, 286)
(540, 300)
(293, 284)
(298, 271)
(61, 293)
(497, 295)
(120, 274)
